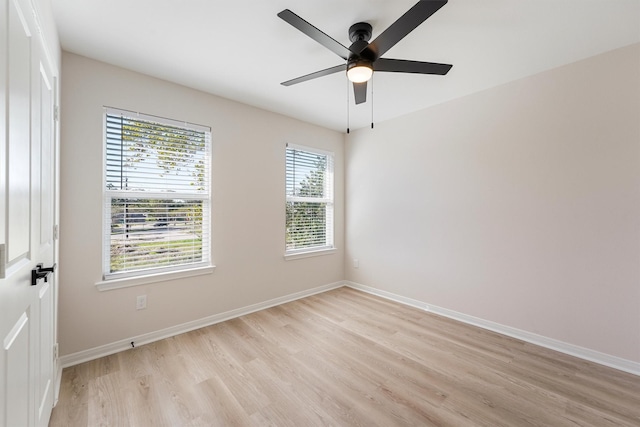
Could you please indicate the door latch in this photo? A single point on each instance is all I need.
(41, 273)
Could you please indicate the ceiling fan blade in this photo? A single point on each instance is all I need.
(404, 66)
(314, 33)
(315, 75)
(360, 92)
(404, 25)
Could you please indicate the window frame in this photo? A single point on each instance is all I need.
(329, 199)
(112, 280)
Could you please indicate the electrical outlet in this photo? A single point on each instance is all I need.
(356, 263)
(141, 302)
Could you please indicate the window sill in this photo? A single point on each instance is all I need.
(107, 285)
(311, 253)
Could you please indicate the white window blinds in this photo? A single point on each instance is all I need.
(309, 196)
(157, 196)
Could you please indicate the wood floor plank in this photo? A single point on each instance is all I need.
(344, 358)
(75, 409)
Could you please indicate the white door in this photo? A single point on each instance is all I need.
(27, 138)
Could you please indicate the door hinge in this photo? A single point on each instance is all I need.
(55, 351)
(56, 113)
(56, 232)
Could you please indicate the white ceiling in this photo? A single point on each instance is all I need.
(242, 51)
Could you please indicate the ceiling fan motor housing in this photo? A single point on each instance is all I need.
(360, 34)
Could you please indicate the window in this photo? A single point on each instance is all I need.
(309, 211)
(156, 195)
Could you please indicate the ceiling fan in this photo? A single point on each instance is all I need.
(363, 58)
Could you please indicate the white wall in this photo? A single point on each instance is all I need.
(518, 205)
(248, 208)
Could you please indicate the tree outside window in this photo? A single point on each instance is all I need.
(309, 208)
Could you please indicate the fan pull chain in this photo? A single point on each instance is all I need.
(371, 102)
(347, 105)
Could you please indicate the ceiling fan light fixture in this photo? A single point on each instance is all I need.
(359, 71)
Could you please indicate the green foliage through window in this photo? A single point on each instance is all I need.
(309, 207)
(157, 193)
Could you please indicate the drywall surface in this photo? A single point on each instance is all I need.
(248, 213)
(519, 205)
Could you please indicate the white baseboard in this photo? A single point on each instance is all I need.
(570, 349)
(125, 344)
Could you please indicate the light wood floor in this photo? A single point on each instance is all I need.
(344, 358)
